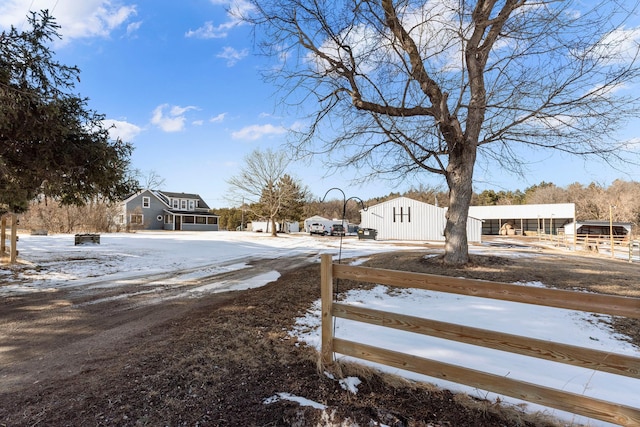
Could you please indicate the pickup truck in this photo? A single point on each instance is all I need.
(317, 228)
(337, 230)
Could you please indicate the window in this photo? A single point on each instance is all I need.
(212, 220)
(191, 205)
(175, 203)
(188, 219)
(183, 204)
(146, 202)
(201, 220)
(136, 219)
(168, 219)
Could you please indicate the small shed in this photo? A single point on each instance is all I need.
(598, 228)
(403, 218)
(265, 226)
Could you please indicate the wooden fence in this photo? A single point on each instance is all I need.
(562, 353)
(601, 244)
(12, 221)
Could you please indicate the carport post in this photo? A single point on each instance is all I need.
(326, 292)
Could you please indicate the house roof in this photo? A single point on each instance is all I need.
(601, 223)
(174, 195)
(169, 194)
(165, 196)
(317, 218)
(534, 211)
(194, 213)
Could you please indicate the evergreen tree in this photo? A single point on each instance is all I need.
(51, 143)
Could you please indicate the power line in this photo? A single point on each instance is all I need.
(27, 14)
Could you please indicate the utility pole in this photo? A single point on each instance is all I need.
(611, 228)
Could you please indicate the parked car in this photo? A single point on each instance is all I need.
(337, 230)
(317, 228)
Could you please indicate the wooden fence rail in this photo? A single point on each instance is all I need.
(562, 353)
(595, 243)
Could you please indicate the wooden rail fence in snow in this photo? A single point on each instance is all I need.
(562, 353)
(603, 244)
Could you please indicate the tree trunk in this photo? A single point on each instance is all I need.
(273, 227)
(460, 181)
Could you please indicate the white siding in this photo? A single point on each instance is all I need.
(474, 230)
(407, 219)
(557, 210)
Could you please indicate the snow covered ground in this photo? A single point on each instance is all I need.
(50, 262)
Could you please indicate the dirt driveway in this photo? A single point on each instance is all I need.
(145, 354)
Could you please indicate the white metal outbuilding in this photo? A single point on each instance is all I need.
(548, 218)
(408, 219)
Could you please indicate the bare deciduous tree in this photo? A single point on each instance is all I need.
(399, 87)
(96, 215)
(259, 185)
(151, 179)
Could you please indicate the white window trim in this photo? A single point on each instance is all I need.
(146, 202)
(136, 214)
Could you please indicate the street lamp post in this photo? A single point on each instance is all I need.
(345, 200)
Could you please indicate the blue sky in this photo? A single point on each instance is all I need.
(181, 81)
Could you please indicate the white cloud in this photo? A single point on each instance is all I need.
(120, 129)
(209, 31)
(232, 55)
(236, 9)
(254, 132)
(620, 46)
(219, 118)
(78, 19)
(176, 110)
(171, 121)
(133, 27)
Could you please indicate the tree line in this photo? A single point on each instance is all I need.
(592, 202)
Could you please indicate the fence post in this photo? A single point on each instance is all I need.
(326, 292)
(3, 236)
(14, 238)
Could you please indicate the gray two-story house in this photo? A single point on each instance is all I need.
(163, 210)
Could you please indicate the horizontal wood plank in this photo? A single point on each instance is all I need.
(571, 402)
(556, 352)
(571, 300)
